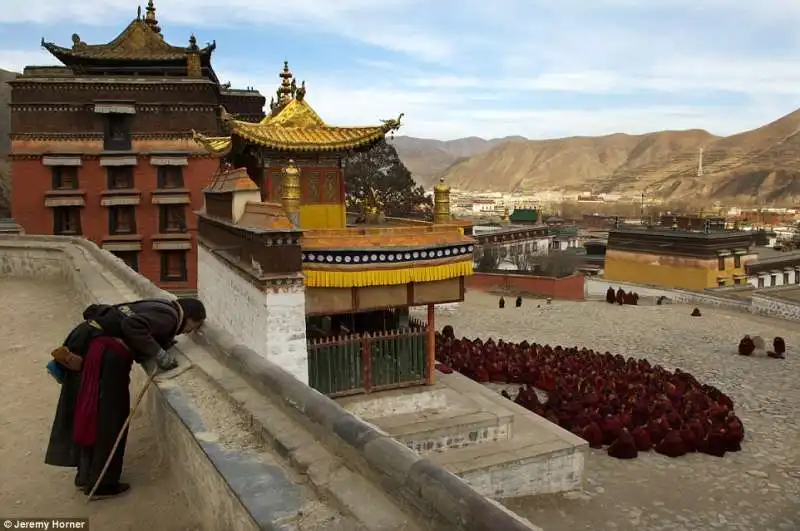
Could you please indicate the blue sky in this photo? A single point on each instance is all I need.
(537, 68)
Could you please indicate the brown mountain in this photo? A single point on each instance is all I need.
(5, 141)
(427, 158)
(758, 165)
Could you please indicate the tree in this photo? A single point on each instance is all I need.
(488, 259)
(557, 264)
(380, 171)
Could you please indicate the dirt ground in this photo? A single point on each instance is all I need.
(35, 317)
(757, 489)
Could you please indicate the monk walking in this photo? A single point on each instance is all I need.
(93, 366)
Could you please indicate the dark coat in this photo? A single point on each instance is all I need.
(150, 326)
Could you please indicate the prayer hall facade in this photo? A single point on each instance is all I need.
(333, 298)
(676, 258)
(102, 147)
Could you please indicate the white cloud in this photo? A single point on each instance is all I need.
(16, 60)
(487, 68)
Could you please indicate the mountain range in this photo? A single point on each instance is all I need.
(762, 165)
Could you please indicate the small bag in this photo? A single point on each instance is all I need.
(57, 371)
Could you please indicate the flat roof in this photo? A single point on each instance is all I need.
(697, 235)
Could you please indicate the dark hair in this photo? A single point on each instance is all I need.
(192, 309)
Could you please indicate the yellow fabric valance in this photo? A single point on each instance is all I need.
(320, 278)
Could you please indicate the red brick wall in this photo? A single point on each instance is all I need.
(30, 181)
(567, 288)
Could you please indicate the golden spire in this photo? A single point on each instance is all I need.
(150, 17)
(285, 90)
(441, 203)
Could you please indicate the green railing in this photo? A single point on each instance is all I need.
(363, 363)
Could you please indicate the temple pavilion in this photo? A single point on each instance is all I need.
(359, 280)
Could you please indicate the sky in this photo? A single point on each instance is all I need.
(536, 68)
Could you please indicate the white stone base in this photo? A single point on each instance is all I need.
(272, 323)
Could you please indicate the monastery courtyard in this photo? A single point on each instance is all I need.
(757, 489)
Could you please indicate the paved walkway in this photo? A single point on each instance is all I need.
(757, 489)
(34, 318)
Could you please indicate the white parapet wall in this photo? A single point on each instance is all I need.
(272, 322)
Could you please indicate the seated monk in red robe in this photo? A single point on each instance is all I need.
(611, 297)
(624, 447)
(620, 296)
(746, 346)
(778, 348)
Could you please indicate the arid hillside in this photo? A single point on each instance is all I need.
(427, 158)
(5, 142)
(758, 165)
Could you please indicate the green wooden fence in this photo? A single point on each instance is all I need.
(363, 363)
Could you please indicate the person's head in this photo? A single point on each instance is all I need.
(194, 314)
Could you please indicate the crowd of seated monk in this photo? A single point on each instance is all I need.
(627, 405)
(621, 297)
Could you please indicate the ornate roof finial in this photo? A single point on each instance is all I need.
(192, 42)
(285, 90)
(139, 13)
(150, 17)
(300, 93)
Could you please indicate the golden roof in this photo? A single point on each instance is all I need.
(293, 125)
(215, 144)
(141, 40)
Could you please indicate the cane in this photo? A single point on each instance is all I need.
(121, 432)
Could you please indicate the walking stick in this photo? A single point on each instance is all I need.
(121, 432)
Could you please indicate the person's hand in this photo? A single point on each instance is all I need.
(166, 361)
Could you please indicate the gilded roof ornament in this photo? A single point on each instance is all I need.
(285, 90)
(150, 17)
(441, 187)
(300, 93)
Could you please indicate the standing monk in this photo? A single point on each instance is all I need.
(95, 401)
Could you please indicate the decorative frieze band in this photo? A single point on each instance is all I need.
(384, 257)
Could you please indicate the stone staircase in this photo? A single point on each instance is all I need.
(501, 449)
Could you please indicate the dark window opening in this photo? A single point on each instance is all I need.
(119, 177)
(721, 261)
(67, 221)
(118, 133)
(173, 266)
(122, 220)
(131, 258)
(737, 260)
(65, 177)
(760, 282)
(172, 218)
(773, 280)
(786, 278)
(170, 177)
